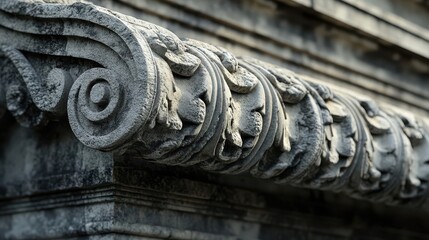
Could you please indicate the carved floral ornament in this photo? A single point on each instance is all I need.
(128, 85)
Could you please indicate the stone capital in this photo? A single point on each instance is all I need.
(129, 86)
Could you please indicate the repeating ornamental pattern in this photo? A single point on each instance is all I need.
(126, 85)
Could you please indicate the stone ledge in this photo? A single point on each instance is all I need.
(381, 25)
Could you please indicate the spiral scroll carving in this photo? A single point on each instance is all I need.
(138, 89)
(94, 99)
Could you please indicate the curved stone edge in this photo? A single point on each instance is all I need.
(137, 87)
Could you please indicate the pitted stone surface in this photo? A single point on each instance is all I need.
(179, 102)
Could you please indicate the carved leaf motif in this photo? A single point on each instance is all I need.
(183, 64)
(293, 93)
(168, 46)
(286, 82)
(377, 124)
(139, 88)
(324, 92)
(170, 95)
(337, 111)
(239, 80)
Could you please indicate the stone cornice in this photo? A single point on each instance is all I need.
(381, 25)
(128, 85)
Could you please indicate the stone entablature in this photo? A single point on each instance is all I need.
(127, 85)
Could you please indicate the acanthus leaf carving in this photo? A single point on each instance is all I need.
(136, 88)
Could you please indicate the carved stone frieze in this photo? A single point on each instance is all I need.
(130, 86)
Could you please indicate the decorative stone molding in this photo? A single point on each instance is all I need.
(130, 86)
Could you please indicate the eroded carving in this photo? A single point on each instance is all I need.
(129, 85)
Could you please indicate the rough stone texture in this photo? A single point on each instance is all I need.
(189, 103)
(138, 92)
(84, 194)
(303, 40)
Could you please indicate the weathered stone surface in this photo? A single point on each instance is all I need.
(161, 109)
(86, 194)
(135, 87)
(305, 41)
